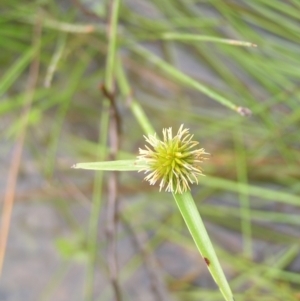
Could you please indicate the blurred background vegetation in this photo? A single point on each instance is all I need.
(69, 228)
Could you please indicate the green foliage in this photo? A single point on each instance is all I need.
(72, 249)
(173, 66)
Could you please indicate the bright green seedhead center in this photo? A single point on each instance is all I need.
(172, 160)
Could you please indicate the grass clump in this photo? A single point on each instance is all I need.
(102, 82)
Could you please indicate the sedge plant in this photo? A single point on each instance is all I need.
(175, 162)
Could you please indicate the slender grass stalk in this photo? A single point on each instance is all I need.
(96, 208)
(174, 36)
(119, 165)
(16, 70)
(62, 111)
(103, 132)
(112, 47)
(135, 107)
(67, 27)
(61, 43)
(192, 218)
(114, 133)
(183, 78)
(12, 176)
(257, 215)
(263, 193)
(241, 167)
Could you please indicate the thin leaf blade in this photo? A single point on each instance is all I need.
(118, 165)
(197, 229)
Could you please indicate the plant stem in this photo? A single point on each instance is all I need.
(192, 218)
(104, 125)
(114, 135)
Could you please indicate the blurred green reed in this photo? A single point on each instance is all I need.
(173, 67)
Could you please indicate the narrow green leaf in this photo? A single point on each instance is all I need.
(192, 37)
(112, 47)
(15, 70)
(192, 218)
(109, 77)
(183, 78)
(134, 105)
(119, 165)
(260, 192)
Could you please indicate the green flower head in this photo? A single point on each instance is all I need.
(172, 161)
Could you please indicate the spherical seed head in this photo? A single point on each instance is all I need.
(173, 161)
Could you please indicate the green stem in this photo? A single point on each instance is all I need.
(134, 105)
(95, 211)
(181, 77)
(241, 168)
(192, 218)
(193, 37)
(103, 132)
(112, 46)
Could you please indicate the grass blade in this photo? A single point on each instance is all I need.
(175, 36)
(192, 218)
(15, 70)
(185, 79)
(119, 165)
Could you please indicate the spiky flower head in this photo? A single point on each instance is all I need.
(172, 161)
